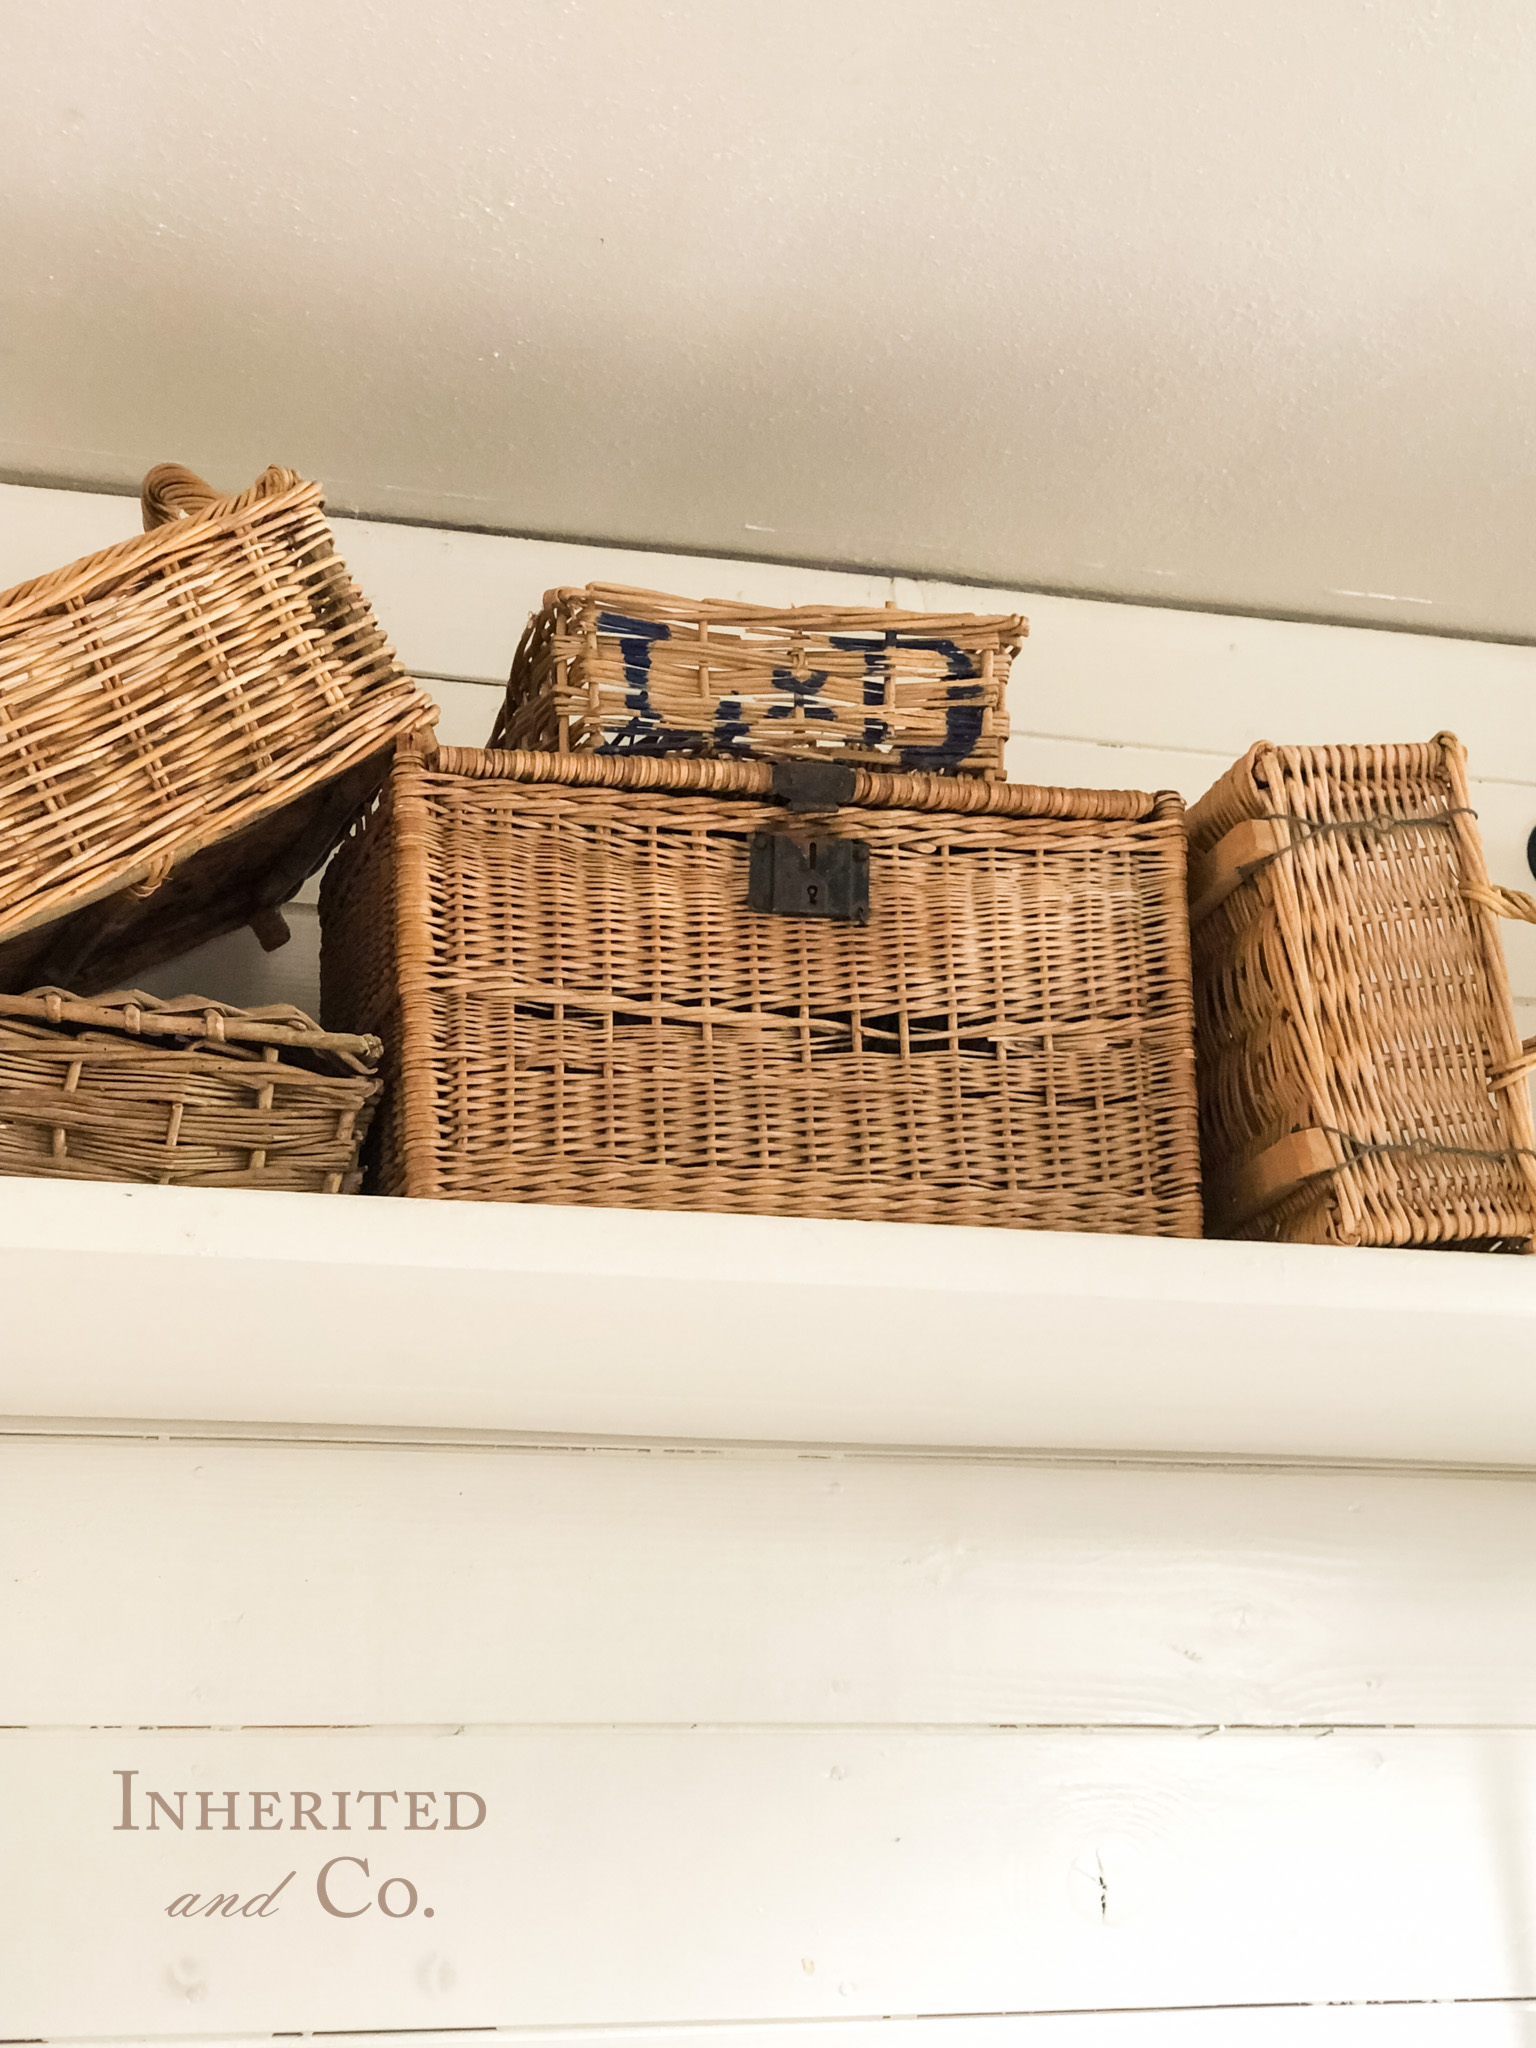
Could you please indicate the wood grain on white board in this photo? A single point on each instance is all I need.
(717, 1875)
(315, 1584)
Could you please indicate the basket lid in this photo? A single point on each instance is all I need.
(810, 786)
(625, 603)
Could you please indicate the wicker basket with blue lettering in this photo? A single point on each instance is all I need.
(610, 670)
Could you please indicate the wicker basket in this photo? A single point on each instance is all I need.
(1360, 1077)
(580, 1005)
(618, 671)
(188, 723)
(188, 1092)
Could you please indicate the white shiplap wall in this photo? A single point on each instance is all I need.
(1177, 1754)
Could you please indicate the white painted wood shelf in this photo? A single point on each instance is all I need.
(171, 1304)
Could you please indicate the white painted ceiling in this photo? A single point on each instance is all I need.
(1226, 302)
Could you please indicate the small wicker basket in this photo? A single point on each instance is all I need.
(1361, 1080)
(188, 722)
(618, 671)
(190, 1092)
(617, 982)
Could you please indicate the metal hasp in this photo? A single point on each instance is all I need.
(816, 877)
(814, 785)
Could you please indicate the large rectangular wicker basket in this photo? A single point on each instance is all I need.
(1361, 1081)
(188, 722)
(188, 1092)
(621, 671)
(580, 1005)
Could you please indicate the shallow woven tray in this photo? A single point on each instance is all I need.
(579, 1006)
(187, 723)
(188, 1092)
(622, 671)
(1361, 1081)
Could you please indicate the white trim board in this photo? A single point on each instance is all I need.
(278, 1583)
(668, 1875)
(260, 1307)
(1404, 2023)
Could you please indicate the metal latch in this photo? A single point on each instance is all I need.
(817, 877)
(814, 785)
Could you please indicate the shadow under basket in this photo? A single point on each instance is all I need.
(189, 1093)
(1361, 1080)
(785, 989)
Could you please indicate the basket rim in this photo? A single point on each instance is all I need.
(808, 618)
(81, 579)
(1369, 760)
(134, 1014)
(871, 789)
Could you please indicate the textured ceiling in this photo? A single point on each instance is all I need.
(1214, 301)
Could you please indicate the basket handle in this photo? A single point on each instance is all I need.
(1501, 901)
(171, 492)
(1508, 903)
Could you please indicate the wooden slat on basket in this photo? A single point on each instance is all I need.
(163, 697)
(578, 1006)
(623, 671)
(195, 1017)
(243, 1098)
(1361, 1080)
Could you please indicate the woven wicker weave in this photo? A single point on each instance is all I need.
(579, 1006)
(190, 1092)
(167, 695)
(634, 672)
(1360, 1077)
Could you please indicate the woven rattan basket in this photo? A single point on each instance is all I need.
(188, 722)
(580, 1003)
(619, 671)
(189, 1092)
(1360, 1077)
